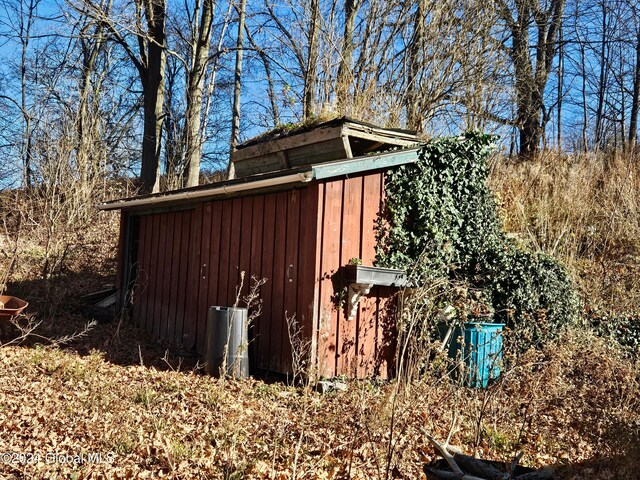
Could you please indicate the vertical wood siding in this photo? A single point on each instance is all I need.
(361, 346)
(297, 240)
(192, 259)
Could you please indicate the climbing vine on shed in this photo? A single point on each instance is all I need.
(440, 210)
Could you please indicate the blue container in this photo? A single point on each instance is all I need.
(479, 348)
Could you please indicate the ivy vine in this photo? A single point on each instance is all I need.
(441, 221)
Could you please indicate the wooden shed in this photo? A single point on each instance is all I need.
(299, 228)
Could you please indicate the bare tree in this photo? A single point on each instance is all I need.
(195, 87)
(147, 25)
(21, 19)
(531, 73)
(237, 84)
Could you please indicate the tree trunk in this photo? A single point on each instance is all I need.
(560, 91)
(412, 107)
(531, 77)
(27, 21)
(345, 76)
(602, 81)
(635, 100)
(530, 136)
(153, 85)
(195, 89)
(237, 86)
(312, 62)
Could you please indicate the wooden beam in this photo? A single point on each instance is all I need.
(384, 136)
(279, 144)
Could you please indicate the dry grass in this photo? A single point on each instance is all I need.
(585, 209)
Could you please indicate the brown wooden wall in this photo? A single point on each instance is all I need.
(297, 239)
(191, 259)
(347, 215)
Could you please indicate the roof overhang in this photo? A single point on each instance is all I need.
(266, 181)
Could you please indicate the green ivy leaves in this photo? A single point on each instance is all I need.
(442, 222)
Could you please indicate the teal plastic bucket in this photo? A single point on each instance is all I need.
(479, 348)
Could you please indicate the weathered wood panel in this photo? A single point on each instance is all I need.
(245, 252)
(166, 280)
(350, 248)
(139, 290)
(122, 257)
(202, 287)
(183, 278)
(362, 346)
(328, 316)
(222, 269)
(176, 223)
(290, 284)
(297, 240)
(367, 310)
(193, 280)
(155, 275)
(268, 246)
(257, 227)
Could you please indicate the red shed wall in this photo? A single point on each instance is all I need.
(363, 346)
(191, 259)
(297, 239)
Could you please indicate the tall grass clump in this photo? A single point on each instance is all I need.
(584, 209)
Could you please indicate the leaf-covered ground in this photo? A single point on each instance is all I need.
(114, 409)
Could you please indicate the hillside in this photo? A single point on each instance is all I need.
(574, 404)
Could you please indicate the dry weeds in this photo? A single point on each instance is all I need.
(576, 404)
(586, 210)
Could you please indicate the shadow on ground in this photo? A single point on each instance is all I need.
(623, 467)
(57, 305)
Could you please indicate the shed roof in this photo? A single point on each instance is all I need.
(259, 182)
(282, 132)
(313, 143)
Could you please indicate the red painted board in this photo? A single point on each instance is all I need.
(161, 271)
(204, 276)
(193, 280)
(291, 283)
(257, 232)
(244, 246)
(328, 317)
(138, 291)
(166, 280)
(225, 245)
(367, 315)
(278, 322)
(181, 291)
(350, 248)
(267, 269)
(176, 259)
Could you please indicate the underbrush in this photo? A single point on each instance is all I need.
(574, 405)
(584, 209)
